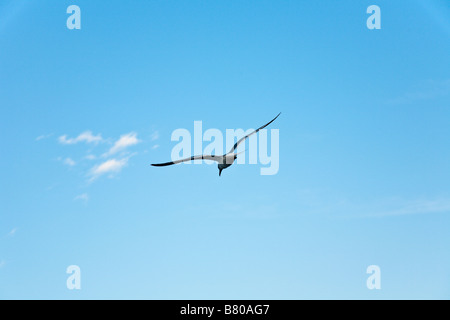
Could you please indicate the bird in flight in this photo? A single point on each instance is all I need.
(223, 161)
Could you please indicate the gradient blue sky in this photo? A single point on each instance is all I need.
(364, 149)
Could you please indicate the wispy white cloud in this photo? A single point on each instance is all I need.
(108, 167)
(422, 206)
(84, 197)
(69, 162)
(86, 136)
(12, 232)
(110, 162)
(2, 263)
(44, 136)
(156, 146)
(125, 141)
(428, 90)
(337, 204)
(155, 136)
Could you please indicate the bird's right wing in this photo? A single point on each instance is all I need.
(243, 139)
(207, 157)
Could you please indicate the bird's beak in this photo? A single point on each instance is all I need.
(220, 172)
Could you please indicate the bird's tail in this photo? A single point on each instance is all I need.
(220, 172)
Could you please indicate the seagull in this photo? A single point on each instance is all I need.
(223, 161)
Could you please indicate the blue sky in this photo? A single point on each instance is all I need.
(364, 149)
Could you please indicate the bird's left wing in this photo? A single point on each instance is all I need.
(207, 157)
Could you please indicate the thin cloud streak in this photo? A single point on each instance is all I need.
(12, 232)
(430, 90)
(155, 136)
(86, 137)
(125, 141)
(82, 197)
(69, 162)
(44, 136)
(417, 207)
(110, 166)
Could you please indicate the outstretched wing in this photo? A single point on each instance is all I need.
(243, 139)
(207, 157)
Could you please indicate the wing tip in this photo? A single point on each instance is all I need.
(159, 164)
